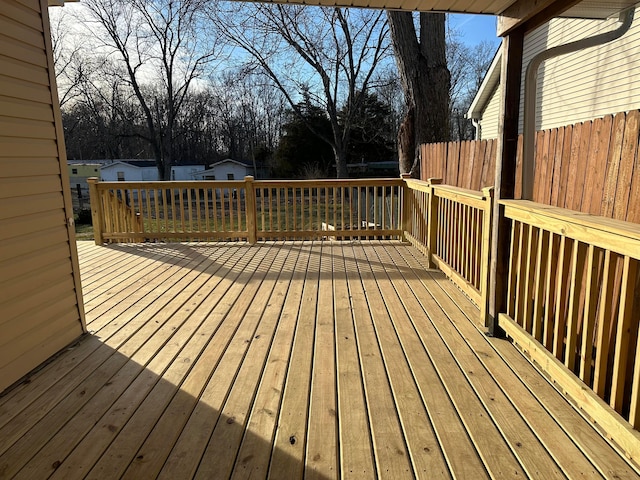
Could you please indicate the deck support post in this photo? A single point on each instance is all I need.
(251, 212)
(405, 216)
(432, 221)
(96, 210)
(505, 178)
(485, 257)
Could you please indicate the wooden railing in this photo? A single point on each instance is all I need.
(172, 210)
(574, 305)
(312, 208)
(249, 210)
(452, 226)
(117, 214)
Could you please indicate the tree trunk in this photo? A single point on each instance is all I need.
(341, 164)
(426, 81)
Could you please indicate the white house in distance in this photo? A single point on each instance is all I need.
(227, 169)
(571, 88)
(144, 170)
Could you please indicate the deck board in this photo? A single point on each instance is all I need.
(288, 360)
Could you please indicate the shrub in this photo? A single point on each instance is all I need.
(84, 217)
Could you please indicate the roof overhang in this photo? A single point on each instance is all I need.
(60, 3)
(230, 160)
(513, 13)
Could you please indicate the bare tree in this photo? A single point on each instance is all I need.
(422, 65)
(162, 46)
(67, 57)
(329, 53)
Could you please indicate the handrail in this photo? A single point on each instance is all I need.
(251, 210)
(573, 288)
(452, 227)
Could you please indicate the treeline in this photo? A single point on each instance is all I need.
(299, 92)
(240, 119)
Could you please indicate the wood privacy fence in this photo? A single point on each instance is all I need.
(245, 210)
(452, 227)
(469, 164)
(591, 167)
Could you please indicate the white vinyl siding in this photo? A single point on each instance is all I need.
(489, 120)
(40, 301)
(587, 84)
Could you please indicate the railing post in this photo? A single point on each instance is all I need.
(405, 218)
(487, 222)
(96, 210)
(251, 210)
(432, 220)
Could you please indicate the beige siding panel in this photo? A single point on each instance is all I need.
(21, 32)
(39, 350)
(40, 302)
(25, 225)
(12, 107)
(27, 147)
(14, 302)
(17, 207)
(31, 305)
(24, 324)
(26, 244)
(19, 89)
(21, 186)
(29, 267)
(54, 317)
(21, 14)
(23, 71)
(21, 51)
(490, 116)
(29, 257)
(19, 127)
(587, 84)
(31, 4)
(25, 167)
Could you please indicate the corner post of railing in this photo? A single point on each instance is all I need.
(487, 222)
(432, 220)
(405, 217)
(96, 210)
(251, 211)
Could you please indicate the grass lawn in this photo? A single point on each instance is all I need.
(84, 232)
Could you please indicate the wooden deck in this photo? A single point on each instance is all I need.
(288, 359)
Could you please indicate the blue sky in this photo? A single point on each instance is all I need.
(473, 29)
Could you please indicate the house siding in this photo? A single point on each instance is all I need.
(109, 173)
(489, 121)
(586, 84)
(40, 301)
(223, 169)
(579, 86)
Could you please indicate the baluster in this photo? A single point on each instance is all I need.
(623, 328)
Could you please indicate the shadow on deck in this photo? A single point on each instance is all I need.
(284, 360)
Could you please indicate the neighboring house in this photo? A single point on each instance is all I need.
(571, 88)
(79, 172)
(144, 170)
(78, 175)
(130, 171)
(227, 169)
(186, 172)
